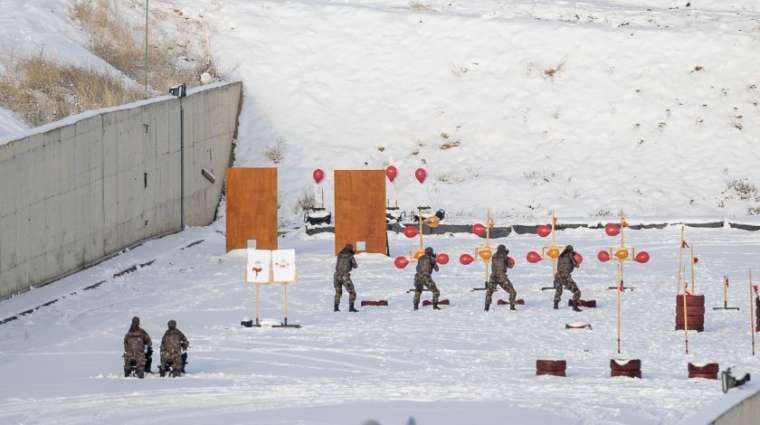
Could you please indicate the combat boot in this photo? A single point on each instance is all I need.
(556, 305)
(512, 306)
(351, 308)
(488, 307)
(435, 307)
(336, 307)
(416, 306)
(575, 307)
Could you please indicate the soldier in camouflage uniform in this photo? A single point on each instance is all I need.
(135, 343)
(173, 345)
(346, 262)
(565, 266)
(499, 266)
(425, 267)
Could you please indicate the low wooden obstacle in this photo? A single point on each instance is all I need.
(630, 368)
(582, 303)
(371, 303)
(578, 326)
(551, 367)
(518, 301)
(444, 301)
(704, 370)
(690, 312)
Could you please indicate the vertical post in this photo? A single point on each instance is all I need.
(686, 320)
(258, 304)
(323, 196)
(725, 292)
(751, 313)
(691, 257)
(679, 276)
(285, 302)
(181, 165)
(419, 217)
(619, 304)
(147, 9)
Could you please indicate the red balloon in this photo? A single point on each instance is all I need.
(442, 258)
(578, 259)
(411, 231)
(695, 259)
(603, 256)
(612, 229)
(466, 259)
(391, 172)
(318, 175)
(401, 262)
(479, 230)
(511, 263)
(533, 257)
(420, 174)
(543, 230)
(642, 257)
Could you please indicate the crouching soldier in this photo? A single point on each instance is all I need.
(137, 345)
(425, 267)
(499, 266)
(174, 345)
(346, 262)
(565, 266)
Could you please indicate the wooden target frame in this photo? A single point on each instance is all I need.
(251, 207)
(360, 210)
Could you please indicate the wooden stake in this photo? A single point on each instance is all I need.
(751, 313)
(619, 305)
(679, 276)
(691, 255)
(685, 321)
(285, 301)
(258, 304)
(725, 291)
(323, 196)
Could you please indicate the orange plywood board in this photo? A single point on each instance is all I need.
(360, 210)
(251, 207)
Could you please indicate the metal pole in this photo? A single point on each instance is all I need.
(147, 9)
(181, 165)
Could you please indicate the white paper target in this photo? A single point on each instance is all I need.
(259, 266)
(284, 265)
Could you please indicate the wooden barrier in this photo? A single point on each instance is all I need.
(360, 210)
(251, 207)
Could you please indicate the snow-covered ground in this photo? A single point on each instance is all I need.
(61, 364)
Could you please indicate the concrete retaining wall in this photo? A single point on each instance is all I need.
(87, 187)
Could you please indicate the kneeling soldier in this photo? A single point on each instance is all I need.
(173, 347)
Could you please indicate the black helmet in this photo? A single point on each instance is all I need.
(502, 248)
(348, 248)
(568, 248)
(135, 324)
(172, 324)
(429, 251)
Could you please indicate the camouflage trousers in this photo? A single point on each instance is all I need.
(426, 282)
(561, 281)
(505, 284)
(174, 358)
(136, 357)
(339, 282)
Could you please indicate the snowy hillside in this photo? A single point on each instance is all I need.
(518, 106)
